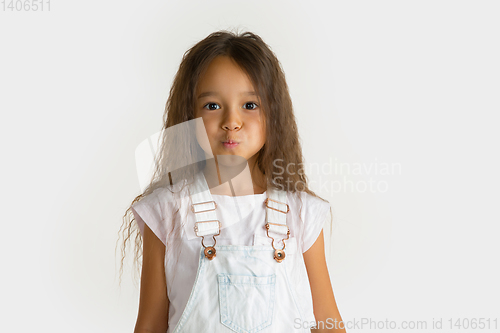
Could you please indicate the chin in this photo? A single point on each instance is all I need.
(231, 160)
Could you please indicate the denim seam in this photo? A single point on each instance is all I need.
(192, 297)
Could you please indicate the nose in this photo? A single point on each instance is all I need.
(232, 120)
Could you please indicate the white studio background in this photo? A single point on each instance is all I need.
(400, 94)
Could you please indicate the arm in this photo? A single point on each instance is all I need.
(321, 289)
(153, 300)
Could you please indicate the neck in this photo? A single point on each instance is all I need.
(234, 180)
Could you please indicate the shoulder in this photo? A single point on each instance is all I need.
(154, 205)
(163, 195)
(148, 201)
(156, 210)
(314, 201)
(311, 212)
(308, 206)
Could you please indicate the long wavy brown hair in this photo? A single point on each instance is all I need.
(282, 144)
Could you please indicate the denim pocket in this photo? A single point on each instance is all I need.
(246, 302)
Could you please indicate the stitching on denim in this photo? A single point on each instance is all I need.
(192, 296)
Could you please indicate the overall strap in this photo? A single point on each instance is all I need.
(276, 210)
(203, 206)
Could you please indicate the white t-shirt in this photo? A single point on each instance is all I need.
(305, 222)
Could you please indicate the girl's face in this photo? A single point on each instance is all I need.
(231, 111)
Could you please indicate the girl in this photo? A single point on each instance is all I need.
(232, 235)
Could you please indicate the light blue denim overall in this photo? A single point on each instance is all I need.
(241, 289)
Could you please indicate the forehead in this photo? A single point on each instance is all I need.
(224, 75)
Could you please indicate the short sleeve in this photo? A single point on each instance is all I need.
(148, 211)
(317, 212)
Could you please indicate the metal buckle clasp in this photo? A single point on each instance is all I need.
(279, 255)
(278, 210)
(201, 203)
(196, 226)
(209, 250)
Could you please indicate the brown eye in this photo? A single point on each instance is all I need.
(212, 106)
(251, 105)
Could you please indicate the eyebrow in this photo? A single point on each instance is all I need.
(211, 93)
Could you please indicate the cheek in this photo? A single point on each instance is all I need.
(259, 129)
(210, 124)
(202, 136)
(263, 137)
